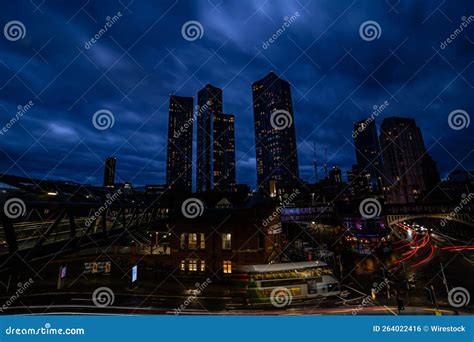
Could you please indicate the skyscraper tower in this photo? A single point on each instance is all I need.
(224, 152)
(109, 172)
(368, 154)
(405, 158)
(277, 160)
(215, 143)
(179, 158)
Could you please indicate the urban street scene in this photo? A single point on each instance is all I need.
(253, 158)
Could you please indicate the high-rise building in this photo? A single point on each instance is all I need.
(224, 152)
(405, 158)
(359, 185)
(215, 143)
(368, 154)
(179, 159)
(430, 172)
(335, 175)
(275, 140)
(109, 172)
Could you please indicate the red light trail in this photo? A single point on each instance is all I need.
(417, 244)
(458, 248)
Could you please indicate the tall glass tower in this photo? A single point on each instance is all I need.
(275, 139)
(179, 158)
(215, 143)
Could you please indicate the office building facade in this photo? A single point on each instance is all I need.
(109, 172)
(276, 154)
(368, 153)
(405, 160)
(215, 143)
(179, 159)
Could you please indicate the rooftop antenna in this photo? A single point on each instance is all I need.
(315, 164)
(326, 160)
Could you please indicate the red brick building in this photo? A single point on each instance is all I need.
(219, 240)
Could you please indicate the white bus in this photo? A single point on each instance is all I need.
(304, 280)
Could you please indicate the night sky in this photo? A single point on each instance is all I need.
(336, 76)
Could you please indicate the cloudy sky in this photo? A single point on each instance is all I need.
(338, 74)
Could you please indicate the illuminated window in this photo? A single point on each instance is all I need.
(226, 240)
(227, 266)
(203, 266)
(202, 241)
(183, 265)
(192, 241)
(183, 241)
(192, 265)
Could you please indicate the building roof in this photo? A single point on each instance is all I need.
(280, 267)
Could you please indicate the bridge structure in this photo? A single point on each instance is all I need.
(462, 214)
(41, 218)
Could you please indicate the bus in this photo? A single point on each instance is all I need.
(295, 280)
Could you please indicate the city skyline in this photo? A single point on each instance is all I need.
(184, 119)
(331, 83)
(178, 168)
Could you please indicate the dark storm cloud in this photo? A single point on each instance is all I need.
(336, 78)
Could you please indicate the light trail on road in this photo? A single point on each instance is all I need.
(458, 248)
(417, 245)
(428, 258)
